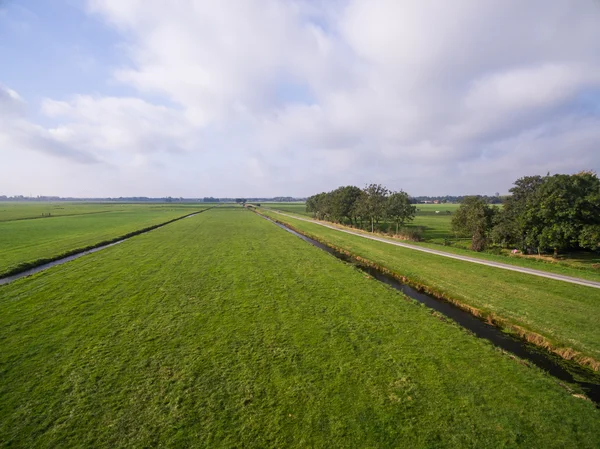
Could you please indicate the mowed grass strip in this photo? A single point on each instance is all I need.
(566, 314)
(223, 330)
(25, 242)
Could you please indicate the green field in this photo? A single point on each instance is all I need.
(436, 220)
(436, 223)
(27, 242)
(436, 226)
(223, 330)
(565, 314)
(32, 210)
(293, 208)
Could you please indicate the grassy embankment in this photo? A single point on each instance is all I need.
(557, 315)
(438, 227)
(222, 330)
(28, 243)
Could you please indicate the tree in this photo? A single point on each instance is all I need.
(512, 225)
(319, 205)
(344, 201)
(399, 209)
(474, 218)
(565, 213)
(372, 204)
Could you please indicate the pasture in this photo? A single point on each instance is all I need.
(26, 241)
(435, 220)
(11, 210)
(223, 330)
(436, 225)
(566, 315)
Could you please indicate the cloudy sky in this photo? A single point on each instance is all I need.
(291, 97)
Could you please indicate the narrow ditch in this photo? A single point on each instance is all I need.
(76, 254)
(555, 366)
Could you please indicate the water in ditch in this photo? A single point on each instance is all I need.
(37, 269)
(563, 370)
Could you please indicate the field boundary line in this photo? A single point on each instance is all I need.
(503, 266)
(36, 266)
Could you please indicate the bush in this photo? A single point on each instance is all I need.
(497, 250)
(414, 234)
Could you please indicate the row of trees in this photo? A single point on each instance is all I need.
(373, 204)
(496, 199)
(543, 213)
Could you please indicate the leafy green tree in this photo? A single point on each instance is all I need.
(474, 219)
(589, 237)
(513, 225)
(373, 202)
(320, 205)
(311, 205)
(554, 213)
(399, 209)
(565, 213)
(344, 201)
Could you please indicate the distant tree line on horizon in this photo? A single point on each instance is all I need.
(495, 199)
(144, 199)
(551, 213)
(355, 206)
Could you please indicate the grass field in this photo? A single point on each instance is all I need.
(436, 220)
(294, 208)
(222, 330)
(25, 242)
(435, 225)
(437, 228)
(565, 314)
(10, 210)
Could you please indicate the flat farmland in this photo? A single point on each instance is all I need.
(11, 210)
(292, 208)
(223, 330)
(566, 315)
(28, 242)
(435, 219)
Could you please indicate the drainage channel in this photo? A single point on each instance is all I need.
(45, 266)
(22, 274)
(553, 365)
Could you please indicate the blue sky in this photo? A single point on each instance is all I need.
(282, 97)
(56, 49)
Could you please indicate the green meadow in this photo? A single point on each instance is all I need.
(435, 222)
(566, 315)
(435, 219)
(222, 330)
(27, 241)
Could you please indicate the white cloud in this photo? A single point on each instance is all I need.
(112, 125)
(18, 134)
(295, 96)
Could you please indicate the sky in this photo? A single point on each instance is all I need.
(260, 98)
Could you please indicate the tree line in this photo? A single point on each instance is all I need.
(356, 206)
(543, 214)
(495, 199)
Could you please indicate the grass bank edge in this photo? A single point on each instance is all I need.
(25, 266)
(556, 347)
